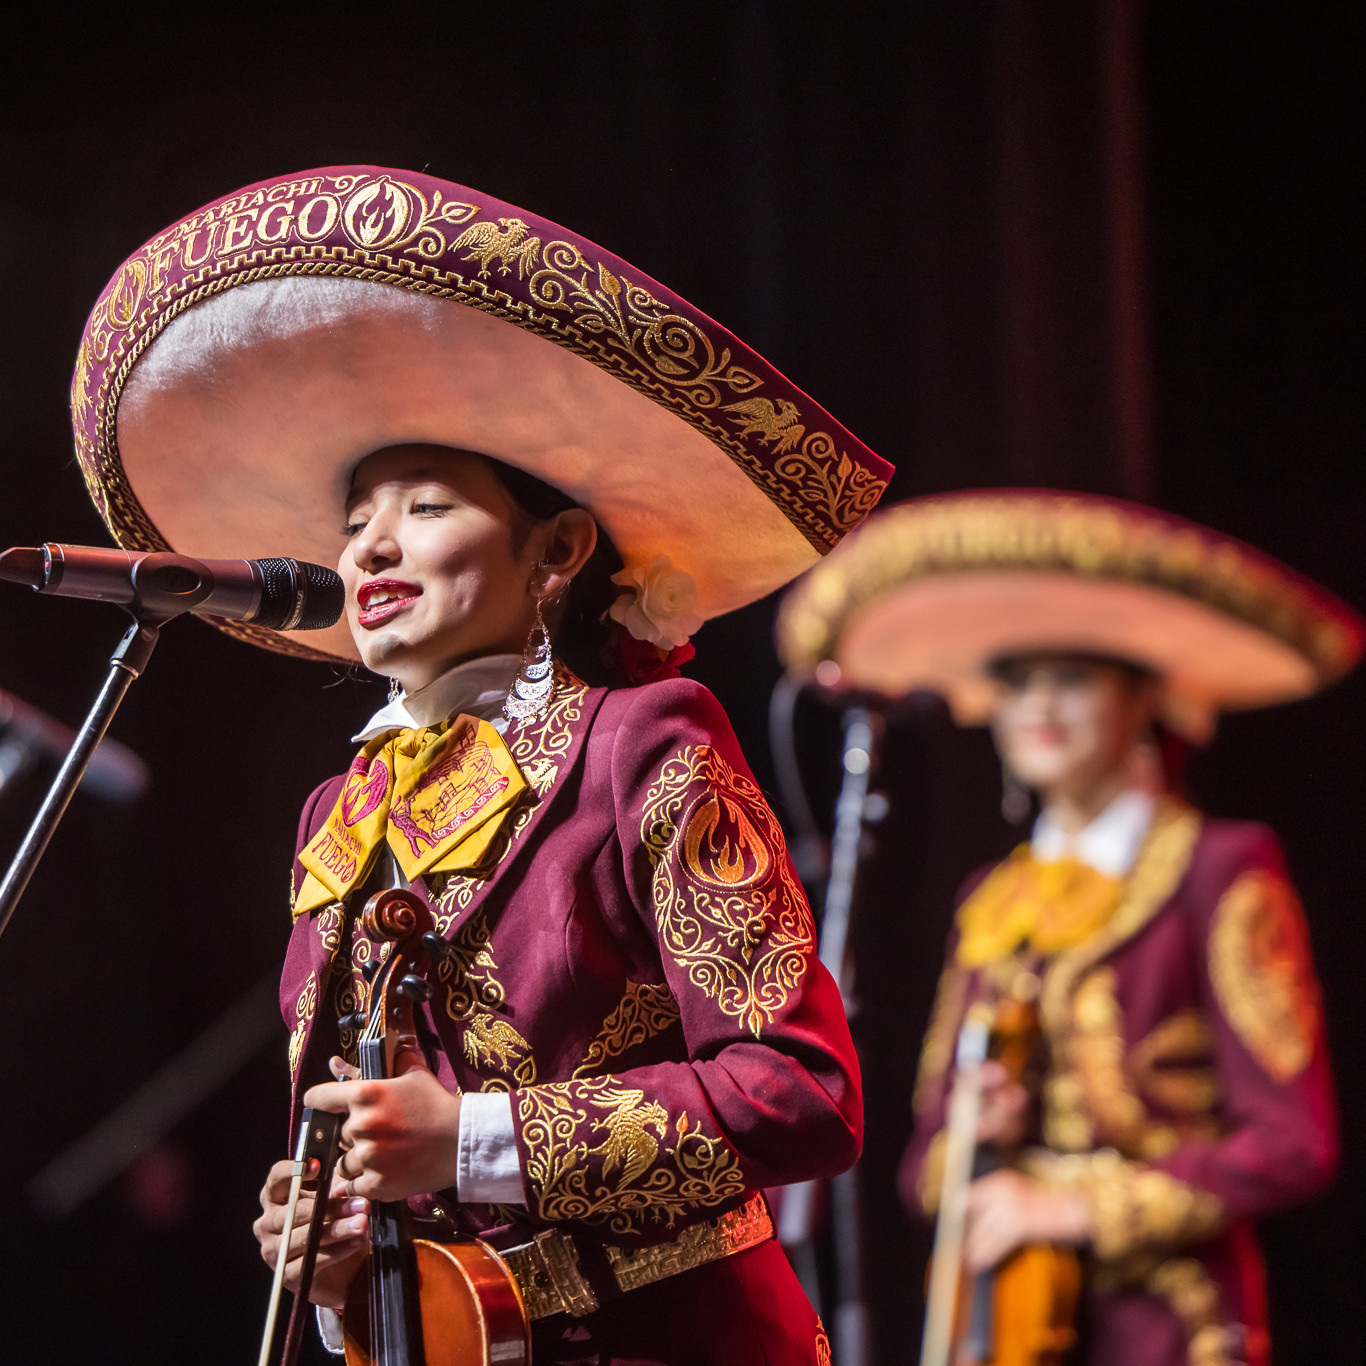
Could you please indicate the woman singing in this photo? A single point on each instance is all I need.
(538, 473)
(1183, 1087)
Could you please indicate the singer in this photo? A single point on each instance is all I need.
(539, 473)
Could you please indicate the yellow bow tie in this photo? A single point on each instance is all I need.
(1050, 906)
(436, 796)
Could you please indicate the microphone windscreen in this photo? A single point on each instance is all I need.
(299, 596)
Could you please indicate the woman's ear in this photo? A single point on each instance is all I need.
(566, 541)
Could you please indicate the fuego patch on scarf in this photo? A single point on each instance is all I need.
(436, 797)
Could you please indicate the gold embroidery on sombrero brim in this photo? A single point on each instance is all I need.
(1093, 540)
(389, 231)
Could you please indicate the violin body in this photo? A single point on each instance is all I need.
(1033, 1305)
(468, 1302)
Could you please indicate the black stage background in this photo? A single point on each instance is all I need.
(836, 183)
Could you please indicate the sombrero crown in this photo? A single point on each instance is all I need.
(240, 364)
(929, 592)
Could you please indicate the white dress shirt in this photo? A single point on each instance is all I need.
(1109, 844)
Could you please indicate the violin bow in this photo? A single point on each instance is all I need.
(319, 1136)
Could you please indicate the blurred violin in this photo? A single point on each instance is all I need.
(1021, 1312)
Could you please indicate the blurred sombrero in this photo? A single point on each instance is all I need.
(239, 365)
(929, 593)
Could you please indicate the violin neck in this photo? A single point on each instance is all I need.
(395, 1322)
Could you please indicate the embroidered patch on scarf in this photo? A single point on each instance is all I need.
(435, 796)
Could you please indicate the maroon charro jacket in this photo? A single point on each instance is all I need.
(635, 962)
(1186, 1090)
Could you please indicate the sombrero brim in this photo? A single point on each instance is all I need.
(239, 366)
(930, 592)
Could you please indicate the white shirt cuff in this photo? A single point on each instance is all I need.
(330, 1330)
(489, 1170)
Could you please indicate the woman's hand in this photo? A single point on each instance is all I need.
(1005, 1107)
(1008, 1209)
(401, 1136)
(343, 1246)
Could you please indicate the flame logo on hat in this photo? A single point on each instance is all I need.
(378, 214)
(722, 846)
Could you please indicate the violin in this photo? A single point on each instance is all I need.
(419, 1301)
(1021, 1312)
(416, 1301)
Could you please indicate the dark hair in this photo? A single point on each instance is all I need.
(580, 630)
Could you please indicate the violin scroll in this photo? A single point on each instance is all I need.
(393, 914)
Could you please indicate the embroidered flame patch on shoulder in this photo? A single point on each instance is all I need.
(721, 845)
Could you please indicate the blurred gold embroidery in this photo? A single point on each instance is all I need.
(729, 909)
(1188, 1287)
(1173, 1065)
(1095, 1048)
(1162, 860)
(1263, 975)
(637, 1175)
(646, 1009)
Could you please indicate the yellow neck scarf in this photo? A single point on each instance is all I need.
(435, 796)
(1049, 906)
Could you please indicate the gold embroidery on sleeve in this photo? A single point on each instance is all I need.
(565, 1124)
(822, 1345)
(1133, 1206)
(646, 1009)
(1263, 974)
(728, 908)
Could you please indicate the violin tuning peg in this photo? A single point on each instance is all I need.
(436, 947)
(368, 970)
(415, 988)
(353, 1020)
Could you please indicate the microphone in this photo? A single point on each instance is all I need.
(284, 595)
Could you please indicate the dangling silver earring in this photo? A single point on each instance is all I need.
(395, 690)
(529, 696)
(1015, 799)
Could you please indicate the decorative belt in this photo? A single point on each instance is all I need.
(559, 1273)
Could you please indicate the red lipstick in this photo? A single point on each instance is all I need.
(393, 594)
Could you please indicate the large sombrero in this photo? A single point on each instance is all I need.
(239, 365)
(930, 592)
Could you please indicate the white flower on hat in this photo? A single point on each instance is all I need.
(660, 604)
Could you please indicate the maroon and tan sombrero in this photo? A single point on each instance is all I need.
(930, 592)
(239, 365)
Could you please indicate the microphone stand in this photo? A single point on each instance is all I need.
(125, 664)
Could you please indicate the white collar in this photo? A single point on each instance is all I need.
(478, 688)
(1109, 844)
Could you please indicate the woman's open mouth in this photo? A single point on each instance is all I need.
(381, 599)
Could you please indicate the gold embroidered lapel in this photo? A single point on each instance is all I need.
(1162, 862)
(544, 748)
